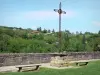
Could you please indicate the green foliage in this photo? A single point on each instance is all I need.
(99, 32)
(39, 29)
(49, 31)
(44, 31)
(4, 38)
(38, 37)
(18, 40)
(53, 31)
(50, 39)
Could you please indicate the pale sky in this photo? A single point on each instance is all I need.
(81, 15)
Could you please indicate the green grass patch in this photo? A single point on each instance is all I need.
(93, 68)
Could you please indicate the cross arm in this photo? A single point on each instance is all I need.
(56, 10)
(63, 12)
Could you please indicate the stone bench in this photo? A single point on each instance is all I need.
(24, 66)
(81, 63)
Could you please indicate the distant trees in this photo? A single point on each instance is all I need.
(49, 31)
(39, 29)
(67, 31)
(4, 38)
(44, 31)
(53, 31)
(66, 41)
(99, 32)
(18, 40)
(84, 41)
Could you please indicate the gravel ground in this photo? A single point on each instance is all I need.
(46, 65)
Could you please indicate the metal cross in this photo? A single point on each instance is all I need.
(60, 12)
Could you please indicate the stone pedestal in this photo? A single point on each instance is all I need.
(58, 61)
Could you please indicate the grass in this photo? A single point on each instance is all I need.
(93, 68)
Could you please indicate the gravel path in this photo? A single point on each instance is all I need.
(46, 65)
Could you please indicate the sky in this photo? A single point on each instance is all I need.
(81, 15)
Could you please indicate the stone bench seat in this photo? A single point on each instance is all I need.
(81, 63)
(20, 68)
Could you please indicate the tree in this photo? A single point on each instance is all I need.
(83, 41)
(77, 33)
(53, 31)
(67, 31)
(99, 32)
(80, 33)
(39, 37)
(44, 31)
(25, 40)
(66, 42)
(4, 42)
(49, 31)
(39, 29)
(50, 39)
(87, 33)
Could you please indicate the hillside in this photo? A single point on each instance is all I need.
(16, 40)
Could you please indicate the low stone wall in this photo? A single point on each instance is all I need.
(36, 58)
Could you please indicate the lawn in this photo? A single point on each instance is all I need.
(93, 68)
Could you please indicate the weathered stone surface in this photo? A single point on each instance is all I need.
(58, 61)
(11, 59)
